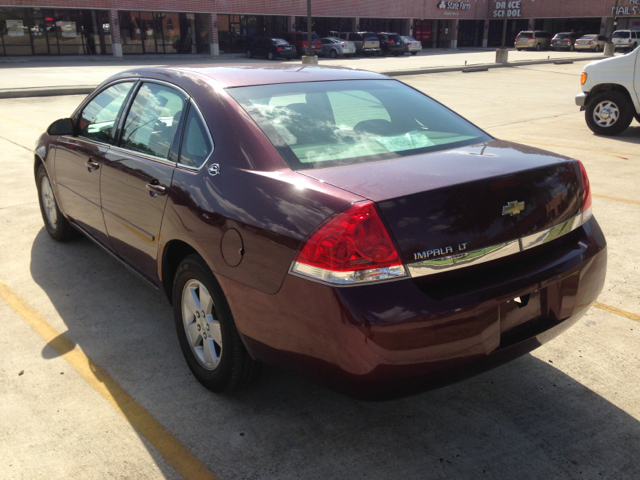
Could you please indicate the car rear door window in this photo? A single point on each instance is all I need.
(196, 144)
(152, 120)
(97, 121)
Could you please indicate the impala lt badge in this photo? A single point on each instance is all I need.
(513, 208)
(438, 251)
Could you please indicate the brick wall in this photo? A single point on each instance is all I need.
(480, 9)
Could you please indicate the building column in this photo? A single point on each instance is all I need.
(291, 24)
(408, 27)
(434, 33)
(116, 40)
(532, 24)
(485, 34)
(453, 33)
(214, 45)
(356, 24)
(604, 23)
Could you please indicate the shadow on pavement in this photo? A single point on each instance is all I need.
(523, 420)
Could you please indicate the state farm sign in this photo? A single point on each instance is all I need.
(507, 9)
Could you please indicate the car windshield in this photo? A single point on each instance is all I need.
(323, 124)
(279, 41)
(621, 34)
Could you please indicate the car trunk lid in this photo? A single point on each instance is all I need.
(465, 199)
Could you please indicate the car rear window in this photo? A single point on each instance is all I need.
(589, 37)
(323, 124)
(395, 38)
(279, 41)
(525, 35)
(560, 36)
(621, 34)
(370, 36)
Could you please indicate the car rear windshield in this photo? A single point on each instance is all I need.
(324, 124)
(279, 41)
(370, 36)
(395, 38)
(560, 36)
(589, 37)
(525, 35)
(621, 34)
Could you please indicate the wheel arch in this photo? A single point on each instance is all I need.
(603, 87)
(172, 255)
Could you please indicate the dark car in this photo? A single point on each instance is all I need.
(391, 44)
(332, 221)
(564, 41)
(301, 39)
(271, 48)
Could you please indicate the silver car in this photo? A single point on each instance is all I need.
(625, 39)
(535, 39)
(335, 47)
(412, 45)
(592, 42)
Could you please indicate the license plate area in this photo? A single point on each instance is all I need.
(552, 303)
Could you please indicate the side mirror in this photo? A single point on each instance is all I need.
(64, 126)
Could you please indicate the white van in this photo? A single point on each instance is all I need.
(625, 39)
(611, 93)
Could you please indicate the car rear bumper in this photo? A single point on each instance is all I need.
(394, 339)
(346, 51)
(585, 47)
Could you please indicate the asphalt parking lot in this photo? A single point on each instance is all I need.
(94, 385)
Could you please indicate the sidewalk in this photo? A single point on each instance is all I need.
(73, 75)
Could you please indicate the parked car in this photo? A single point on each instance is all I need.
(336, 47)
(328, 220)
(300, 41)
(564, 41)
(271, 48)
(591, 42)
(366, 42)
(411, 45)
(625, 39)
(533, 39)
(391, 44)
(611, 93)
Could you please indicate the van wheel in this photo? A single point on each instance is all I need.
(608, 113)
(206, 330)
(538, 47)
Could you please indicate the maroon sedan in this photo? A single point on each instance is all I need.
(332, 221)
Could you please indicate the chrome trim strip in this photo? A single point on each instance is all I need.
(347, 279)
(143, 155)
(494, 252)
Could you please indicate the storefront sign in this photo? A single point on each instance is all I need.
(15, 28)
(508, 9)
(68, 29)
(454, 5)
(632, 9)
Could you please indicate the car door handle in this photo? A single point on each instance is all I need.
(157, 189)
(92, 164)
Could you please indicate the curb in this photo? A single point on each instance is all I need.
(46, 91)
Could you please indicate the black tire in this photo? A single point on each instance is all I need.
(518, 49)
(249, 54)
(414, 53)
(333, 53)
(235, 368)
(271, 56)
(637, 117)
(597, 49)
(615, 99)
(59, 229)
(538, 47)
(571, 48)
(288, 58)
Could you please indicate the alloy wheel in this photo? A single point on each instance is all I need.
(201, 324)
(49, 203)
(606, 113)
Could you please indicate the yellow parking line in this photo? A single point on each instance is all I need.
(574, 148)
(41, 129)
(617, 311)
(166, 444)
(616, 199)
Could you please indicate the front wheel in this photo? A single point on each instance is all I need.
(58, 227)
(206, 330)
(608, 113)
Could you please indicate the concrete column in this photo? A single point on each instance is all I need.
(604, 21)
(213, 38)
(356, 24)
(532, 24)
(485, 34)
(453, 33)
(116, 39)
(408, 27)
(434, 33)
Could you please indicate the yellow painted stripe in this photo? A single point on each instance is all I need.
(166, 444)
(616, 199)
(41, 129)
(574, 148)
(617, 311)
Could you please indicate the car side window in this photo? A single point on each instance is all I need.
(196, 145)
(152, 120)
(97, 120)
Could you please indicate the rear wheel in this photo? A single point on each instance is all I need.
(271, 56)
(206, 330)
(608, 113)
(414, 53)
(518, 49)
(538, 47)
(333, 53)
(637, 116)
(249, 54)
(571, 48)
(597, 49)
(58, 227)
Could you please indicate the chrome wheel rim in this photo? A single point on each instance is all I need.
(49, 203)
(201, 324)
(606, 114)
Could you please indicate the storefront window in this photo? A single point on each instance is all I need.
(14, 29)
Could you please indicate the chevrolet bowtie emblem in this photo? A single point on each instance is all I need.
(513, 208)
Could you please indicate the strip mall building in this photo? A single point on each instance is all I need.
(125, 27)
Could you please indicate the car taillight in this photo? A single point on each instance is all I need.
(530, 38)
(567, 40)
(342, 45)
(279, 49)
(350, 247)
(590, 42)
(586, 194)
(390, 42)
(629, 40)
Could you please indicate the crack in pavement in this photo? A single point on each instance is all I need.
(16, 144)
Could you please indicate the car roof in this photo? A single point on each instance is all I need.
(251, 75)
